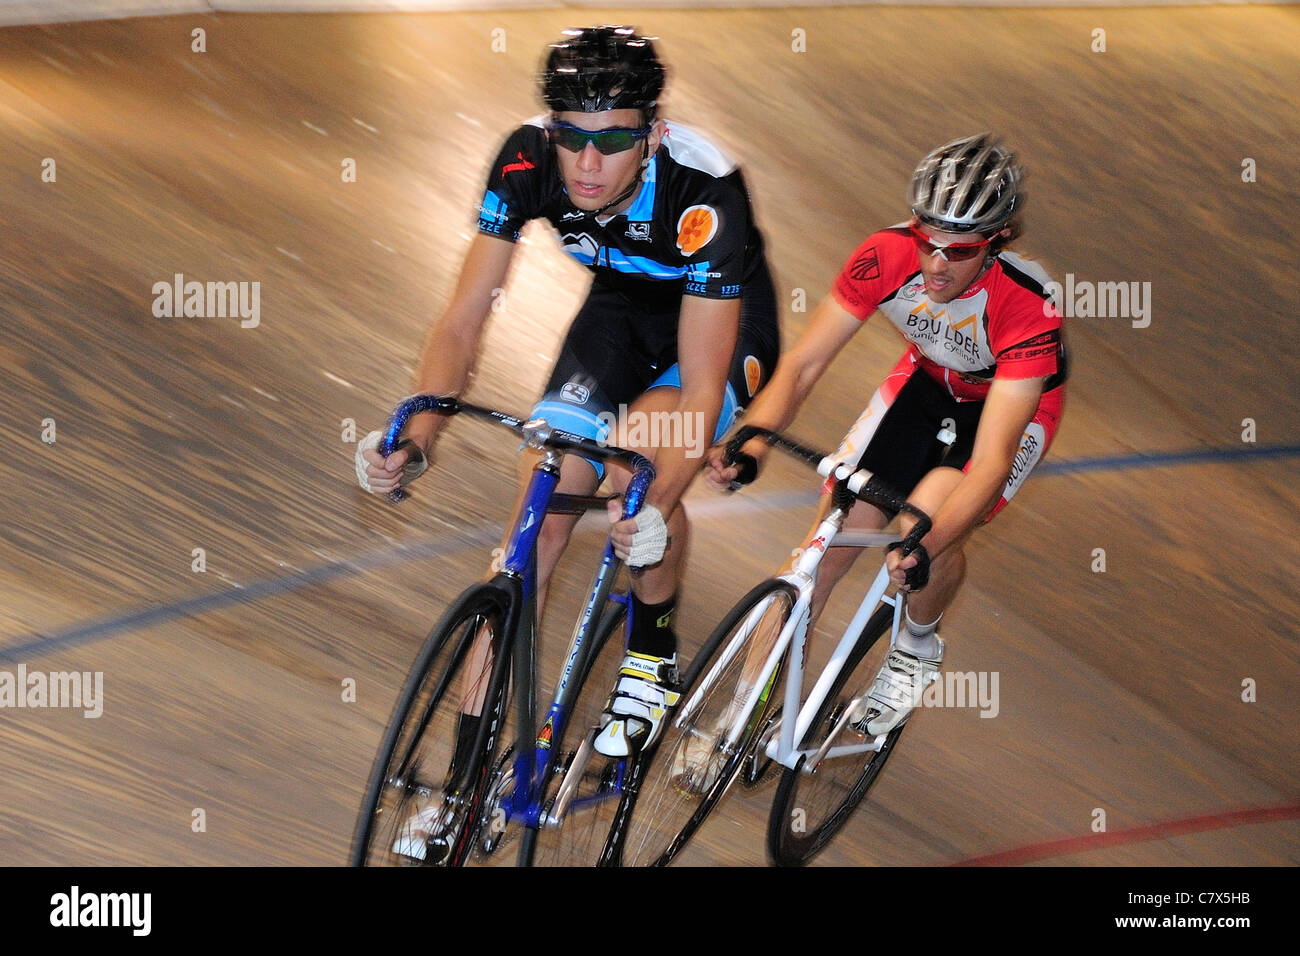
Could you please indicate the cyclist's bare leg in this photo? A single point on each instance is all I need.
(947, 570)
(638, 702)
(837, 561)
(577, 477)
(834, 565)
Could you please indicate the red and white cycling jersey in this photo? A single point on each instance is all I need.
(1004, 325)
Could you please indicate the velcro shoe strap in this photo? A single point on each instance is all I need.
(647, 667)
(640, 690)
(641, 695)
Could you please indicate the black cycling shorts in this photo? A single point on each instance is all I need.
(621, 345)
(906, 444)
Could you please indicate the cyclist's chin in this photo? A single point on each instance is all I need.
(942, 290)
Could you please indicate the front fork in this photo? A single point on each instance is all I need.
(536, 764)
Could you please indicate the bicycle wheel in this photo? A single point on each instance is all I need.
(810, 808)
(705, 746)
(414, 790)
(582, 793)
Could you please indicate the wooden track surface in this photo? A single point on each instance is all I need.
(1119, 691)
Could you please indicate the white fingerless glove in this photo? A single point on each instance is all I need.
(650, 540)
(414, 467)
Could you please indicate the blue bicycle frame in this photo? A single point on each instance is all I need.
(532, 769)
(518, 578)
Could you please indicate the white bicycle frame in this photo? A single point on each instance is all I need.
(803, 578)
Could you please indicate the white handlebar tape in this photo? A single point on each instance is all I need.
(858, 480)
(830, 466)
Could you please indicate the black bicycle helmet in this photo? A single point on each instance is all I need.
(972, 184)
(602, 68)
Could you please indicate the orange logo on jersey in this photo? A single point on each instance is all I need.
(753, 374)
(925, 307)
(974, 332)
(695, 228)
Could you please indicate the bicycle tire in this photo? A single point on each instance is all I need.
(810, 808)
(665, 805)
(412, 770)
(579, 838)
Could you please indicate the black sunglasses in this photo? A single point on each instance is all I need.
(616, 139)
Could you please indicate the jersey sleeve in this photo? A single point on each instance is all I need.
(872, 272)
(513, 192)
(1027, 339)
(712, 231)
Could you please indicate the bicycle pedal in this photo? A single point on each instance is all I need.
(429, 834)
(433, 850)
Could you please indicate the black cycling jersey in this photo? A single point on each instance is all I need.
(689, 230)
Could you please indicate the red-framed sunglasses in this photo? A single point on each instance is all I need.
(950, 251)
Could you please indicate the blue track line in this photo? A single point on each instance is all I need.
(99, 628)
(1202, 456)
(30, 645)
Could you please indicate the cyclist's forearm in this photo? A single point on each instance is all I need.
(775, 407)
(452, 341)
(778, 403)
(681, 447)
(445, 363)
(977, 492)
(1007, 412)
(675, 469)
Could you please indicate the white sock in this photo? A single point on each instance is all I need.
(919, 640)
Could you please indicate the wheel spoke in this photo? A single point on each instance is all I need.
(701, 753)
(421, 807)
(813, 802)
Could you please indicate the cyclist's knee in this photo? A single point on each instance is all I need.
(650, 422)
(932, 490)
(864, 517)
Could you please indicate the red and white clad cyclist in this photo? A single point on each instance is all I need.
(969, 409)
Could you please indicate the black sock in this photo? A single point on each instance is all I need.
(652, 628)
